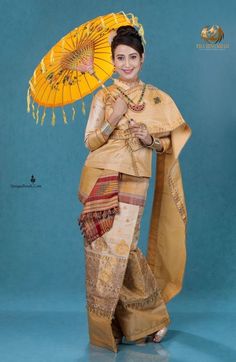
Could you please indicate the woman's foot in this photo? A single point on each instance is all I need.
(159, 335)
(118, 340)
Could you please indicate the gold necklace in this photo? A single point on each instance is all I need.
(135, 107)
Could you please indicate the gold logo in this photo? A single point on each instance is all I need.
(212, 34)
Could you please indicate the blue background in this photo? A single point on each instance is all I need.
(42, 257)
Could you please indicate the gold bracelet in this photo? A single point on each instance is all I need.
(106, 128)
(155, 143)
(151, 142)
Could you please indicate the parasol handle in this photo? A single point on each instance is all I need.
(107, 90)
(103, 86)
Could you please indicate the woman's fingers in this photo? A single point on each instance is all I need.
(140, 136)
(138, 129)
(134, 128)
(119, 106)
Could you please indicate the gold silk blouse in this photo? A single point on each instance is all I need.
(113, 152)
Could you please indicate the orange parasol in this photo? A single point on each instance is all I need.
(75, 66)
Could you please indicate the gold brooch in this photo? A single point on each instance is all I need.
(157, 100)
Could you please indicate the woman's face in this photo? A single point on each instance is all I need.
(127, 62)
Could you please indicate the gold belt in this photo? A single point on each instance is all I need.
(132, 143)
(125, 134)
(120, 134)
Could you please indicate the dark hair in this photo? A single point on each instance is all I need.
(127, 35)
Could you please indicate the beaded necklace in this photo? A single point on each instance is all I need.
(136, 107)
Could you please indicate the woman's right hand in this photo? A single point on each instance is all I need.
(119, 107)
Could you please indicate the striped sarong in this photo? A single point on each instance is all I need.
(100, 207)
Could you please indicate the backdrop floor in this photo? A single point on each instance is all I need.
(201, 330)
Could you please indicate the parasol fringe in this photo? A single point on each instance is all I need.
(34, 75)
(135, 22)
(31, 87)
(37, 115)
(115, 18)
(64, 116)
(83, 107)
(53, 118)
(73, 113)
(141, 32)
(124, 14)
(28, 100)
(102, 21)
(43, 116)
(33, 111)
(43, 66)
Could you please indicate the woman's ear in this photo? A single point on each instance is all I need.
(142, 58)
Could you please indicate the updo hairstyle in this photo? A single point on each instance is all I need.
(127, 35)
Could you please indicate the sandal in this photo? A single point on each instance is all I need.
(118, 340)
(159, 335)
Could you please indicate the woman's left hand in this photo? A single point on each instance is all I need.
(140, 130)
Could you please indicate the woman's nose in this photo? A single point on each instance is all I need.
(127, 62)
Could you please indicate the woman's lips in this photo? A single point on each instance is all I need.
(127, 71)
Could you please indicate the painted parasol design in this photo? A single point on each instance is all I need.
(75, 66)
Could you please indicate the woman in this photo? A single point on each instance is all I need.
(127, 293)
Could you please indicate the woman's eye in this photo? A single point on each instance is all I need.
(119, 58)
(133, 57)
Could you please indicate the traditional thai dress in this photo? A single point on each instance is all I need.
(127, 292)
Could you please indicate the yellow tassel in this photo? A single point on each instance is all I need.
(126, 17)
(83, 107)
(133, 19)
(141, 32)
(37, 115)
(73, 113)
(64, 116)
(31, 87)
(43, 66)
(102, 21)
(135, 22)
(115, 17)
(43, 117)
(28, 100)
(33, 110)
(53, 118)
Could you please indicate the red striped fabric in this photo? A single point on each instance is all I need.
(100, 207)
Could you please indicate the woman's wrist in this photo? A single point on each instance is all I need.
(114, 119)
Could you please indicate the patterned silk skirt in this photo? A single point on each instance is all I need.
(124, 301)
